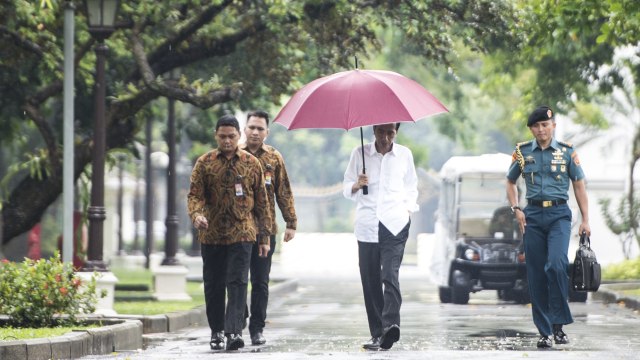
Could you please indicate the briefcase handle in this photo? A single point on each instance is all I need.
(584, 239)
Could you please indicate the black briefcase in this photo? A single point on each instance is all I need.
(586, 270)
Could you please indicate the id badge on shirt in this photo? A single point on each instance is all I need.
(267, 175)
(239, 191)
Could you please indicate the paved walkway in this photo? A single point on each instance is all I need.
(325, 319)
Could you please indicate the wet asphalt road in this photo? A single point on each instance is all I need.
(325, 319)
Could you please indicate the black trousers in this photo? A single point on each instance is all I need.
(225, 273)
(379, 270)
(259, 270)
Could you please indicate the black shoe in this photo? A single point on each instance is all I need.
(544, 342)
(390, 336)
(373, 344)
(234, 342)
(258, 339)
(559, 336)
(217, 341)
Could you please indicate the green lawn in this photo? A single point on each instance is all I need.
(146, 306)
(9, 334)
(635, 292)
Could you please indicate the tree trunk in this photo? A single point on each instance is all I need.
(30, 199)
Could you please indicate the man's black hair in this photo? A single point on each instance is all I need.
(259, 113)
(228, 120)
(397, 126)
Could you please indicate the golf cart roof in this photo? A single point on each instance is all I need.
(485, 163)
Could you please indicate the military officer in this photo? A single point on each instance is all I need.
(547, 166)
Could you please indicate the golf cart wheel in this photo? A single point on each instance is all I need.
(506, 295)
(459, 295)
(522, 296)
(445, 294)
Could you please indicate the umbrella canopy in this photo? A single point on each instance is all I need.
(357, 98)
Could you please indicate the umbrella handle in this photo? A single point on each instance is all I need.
(365, 189)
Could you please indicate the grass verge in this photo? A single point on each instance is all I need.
(151, 307)
(634, 292)
(128, 277)
(10, 334)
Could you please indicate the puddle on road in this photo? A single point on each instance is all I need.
(501, 339)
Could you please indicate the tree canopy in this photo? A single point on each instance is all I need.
(239, 53)
(582, 58)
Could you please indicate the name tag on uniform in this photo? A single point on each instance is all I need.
(267, 174)
(559, 162)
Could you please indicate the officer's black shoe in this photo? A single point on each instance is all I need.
(544, 342)
(234, 342)
(390, 336)
(373, 344)
(217, 341)
(559, 336)
(258, 339)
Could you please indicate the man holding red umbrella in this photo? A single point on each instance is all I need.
(382, 226)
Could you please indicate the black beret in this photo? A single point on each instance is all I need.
(541, 113)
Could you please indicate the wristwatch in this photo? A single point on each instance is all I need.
(514, 208)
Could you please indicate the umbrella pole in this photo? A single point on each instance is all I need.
(365, 189)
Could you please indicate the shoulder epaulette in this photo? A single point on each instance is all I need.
(524, 143)
(567, 144)
(519, 158)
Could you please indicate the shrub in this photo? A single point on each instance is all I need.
(44, 293)
(625, 270)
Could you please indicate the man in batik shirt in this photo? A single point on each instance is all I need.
(278, 190)
(228, 203)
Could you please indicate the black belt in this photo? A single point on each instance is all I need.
(546, 203)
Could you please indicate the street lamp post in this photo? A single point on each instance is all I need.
(101, 15)
(171, 237)
(121, 160)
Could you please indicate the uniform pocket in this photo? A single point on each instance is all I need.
(531, 168)
(529, 171)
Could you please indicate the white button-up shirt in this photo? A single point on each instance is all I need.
(393, 190)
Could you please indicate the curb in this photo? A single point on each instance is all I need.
(124, 332)
(121, 335)
(174, 321)
(612, 294)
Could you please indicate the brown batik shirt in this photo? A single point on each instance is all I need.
(231, 195)
(278, 186)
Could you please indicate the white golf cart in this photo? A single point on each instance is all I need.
(479, 244)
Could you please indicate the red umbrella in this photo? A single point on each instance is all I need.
(350, 99)
(357, 98)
